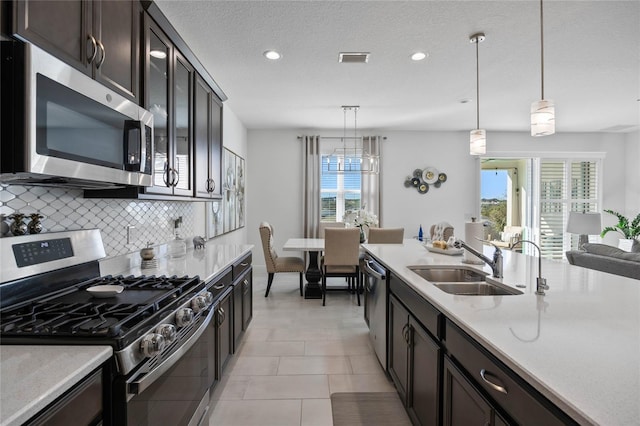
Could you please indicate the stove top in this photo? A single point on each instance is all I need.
(73, 313)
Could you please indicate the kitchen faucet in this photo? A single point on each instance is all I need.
(496, 263)
(541, 283)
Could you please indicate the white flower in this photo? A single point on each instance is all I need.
(360, 218)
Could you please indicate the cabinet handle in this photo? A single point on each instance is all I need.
(104, 54)
(405, 333)
(175, 177)
(218, 286)
(493, 385)
(94, 49)
(244, 264)
(165, 174)
(211, 185)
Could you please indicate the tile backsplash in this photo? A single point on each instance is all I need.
(64, 209)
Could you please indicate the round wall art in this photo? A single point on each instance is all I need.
(423, 179)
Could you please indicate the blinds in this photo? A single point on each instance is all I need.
(565, 185)
(552, 197)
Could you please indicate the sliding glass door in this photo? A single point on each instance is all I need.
(536, 194)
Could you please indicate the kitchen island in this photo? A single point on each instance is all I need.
(578, 346)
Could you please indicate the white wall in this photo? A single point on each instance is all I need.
(632, 176)
(275, 184)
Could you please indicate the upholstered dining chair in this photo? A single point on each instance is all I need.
(324, 225)
(275, 263)
(341, 258)
(385, 235)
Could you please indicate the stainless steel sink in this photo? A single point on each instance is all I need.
(463, 281)
(476, 289)
(448, 274)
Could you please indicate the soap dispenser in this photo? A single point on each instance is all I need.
(177, 246)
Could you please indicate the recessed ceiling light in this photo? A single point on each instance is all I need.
(272, 54)
(418, 56)
(160, 54)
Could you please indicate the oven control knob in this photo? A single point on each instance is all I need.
(184, 317)
(152, 344)
(201, 302)
(208, 297)
(168, 331)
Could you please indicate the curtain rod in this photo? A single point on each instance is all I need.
(345, 137)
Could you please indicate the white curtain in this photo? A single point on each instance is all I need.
(370, 190)
(310, 186)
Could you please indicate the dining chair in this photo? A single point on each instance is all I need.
(274, 262)
(341, 258)
(385, 235)
(324, 225)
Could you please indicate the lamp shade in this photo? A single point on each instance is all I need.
(477, 142)
(543, 118)
(584, 223)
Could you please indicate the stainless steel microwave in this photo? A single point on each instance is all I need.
(62, 128)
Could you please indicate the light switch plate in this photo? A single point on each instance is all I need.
(132, 234)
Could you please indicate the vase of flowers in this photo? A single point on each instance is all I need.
(360, 218)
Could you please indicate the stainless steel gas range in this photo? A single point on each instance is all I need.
(160, 328)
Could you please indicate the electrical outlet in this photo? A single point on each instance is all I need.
(132, 234)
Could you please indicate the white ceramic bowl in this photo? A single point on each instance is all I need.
(105, 290)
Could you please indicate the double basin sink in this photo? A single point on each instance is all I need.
(463, 281)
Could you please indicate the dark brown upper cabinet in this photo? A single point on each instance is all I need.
(207, 141)
(99, 38)
(168, 95)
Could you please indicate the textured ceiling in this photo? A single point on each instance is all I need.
(592, 62)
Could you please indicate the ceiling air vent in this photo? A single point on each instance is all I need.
(354, 57)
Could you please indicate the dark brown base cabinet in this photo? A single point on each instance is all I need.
(462, 404)
(414, 360)
(242, 307)
(443, 376)
(224, 333)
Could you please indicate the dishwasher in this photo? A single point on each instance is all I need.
(375, 287)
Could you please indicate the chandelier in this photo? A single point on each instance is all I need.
(355, 155)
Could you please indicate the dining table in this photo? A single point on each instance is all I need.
(313, 274)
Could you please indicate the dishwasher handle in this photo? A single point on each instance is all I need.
(374, 269)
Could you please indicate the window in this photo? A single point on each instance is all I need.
(339, 192)
(565, 185)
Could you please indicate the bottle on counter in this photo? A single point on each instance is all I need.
(178, 246)
(420, 234)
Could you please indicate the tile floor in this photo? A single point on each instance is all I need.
(293, 356)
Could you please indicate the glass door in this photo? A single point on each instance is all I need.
(158, 84)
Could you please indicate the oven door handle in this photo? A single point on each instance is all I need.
(138, 386)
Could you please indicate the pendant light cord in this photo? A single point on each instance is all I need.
(477, 83)
(541, 51)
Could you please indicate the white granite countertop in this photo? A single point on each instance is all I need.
(579, 345)
(206, 263)
(31, 377)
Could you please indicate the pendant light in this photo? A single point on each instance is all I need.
(478, 136)
(543, 112)
(351, 158)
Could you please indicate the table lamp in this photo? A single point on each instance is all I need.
(584, 224)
